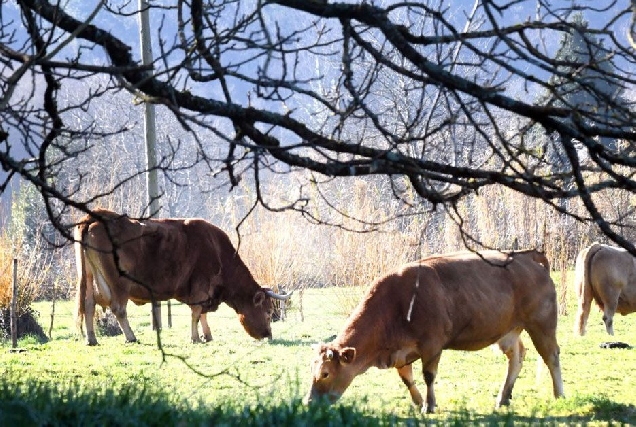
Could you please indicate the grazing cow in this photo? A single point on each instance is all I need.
(606, 275)
(458, 301)
(190, 260)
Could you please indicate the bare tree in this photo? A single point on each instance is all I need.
(438, 99)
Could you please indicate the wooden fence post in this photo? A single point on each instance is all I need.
(53, 308)
(14, 305)
(169, 314)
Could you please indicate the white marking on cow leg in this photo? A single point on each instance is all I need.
(514, 350)
(207, 333)
(196, 315)
(406, 374)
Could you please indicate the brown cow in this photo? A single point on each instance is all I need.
(189, 260)
(459, 301)
(606, 275)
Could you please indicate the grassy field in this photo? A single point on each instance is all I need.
(234, 379)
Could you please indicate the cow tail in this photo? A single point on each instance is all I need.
(583, 286)
(80, 262)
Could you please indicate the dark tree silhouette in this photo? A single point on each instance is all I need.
(579, 47)
(441, 100)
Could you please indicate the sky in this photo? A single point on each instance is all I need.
(126, 27)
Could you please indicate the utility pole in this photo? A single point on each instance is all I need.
(14, 306)
(152, 189)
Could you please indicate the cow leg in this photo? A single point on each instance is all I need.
(406, 374)
(196, 315)
(207, 334)
(514, 350)
(430, 372)
(119, 310)
(89, 315)
(546, 344)
(609, 295)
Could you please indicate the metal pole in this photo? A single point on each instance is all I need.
(152, 194)
(14, 306)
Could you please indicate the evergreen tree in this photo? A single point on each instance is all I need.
(584, 79)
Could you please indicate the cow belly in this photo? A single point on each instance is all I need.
(481, 332)
(627, 300)
(474, 344)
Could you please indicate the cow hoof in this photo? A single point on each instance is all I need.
(207, 339)
(91, 343)
(500, 405)
(135, 341)
(428, 410)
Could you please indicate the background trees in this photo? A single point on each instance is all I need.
(437, 104)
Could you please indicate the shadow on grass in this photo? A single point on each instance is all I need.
(291, 343)
(580, 410)
(142, 403)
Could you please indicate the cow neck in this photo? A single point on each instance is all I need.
(240, 287)
(366, 332)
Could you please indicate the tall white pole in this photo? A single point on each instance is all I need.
(152, 189)
(14, 306)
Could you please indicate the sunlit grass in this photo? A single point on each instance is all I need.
(234, 379)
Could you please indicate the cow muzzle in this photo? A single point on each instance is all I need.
(313, 397)
(307, 399)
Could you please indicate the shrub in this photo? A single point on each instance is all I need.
(32, 270)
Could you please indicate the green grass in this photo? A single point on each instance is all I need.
(236, 380)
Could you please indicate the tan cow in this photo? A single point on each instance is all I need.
(458, 301)
(190, 260)
(606, 275)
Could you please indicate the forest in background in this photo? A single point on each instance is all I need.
(327, 149)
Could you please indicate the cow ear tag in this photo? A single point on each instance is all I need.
(347, 354)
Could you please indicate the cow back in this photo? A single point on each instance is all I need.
(190, 260)
(462, 300)
(615, 268)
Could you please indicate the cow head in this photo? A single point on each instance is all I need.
(332, 371)
(257, 316)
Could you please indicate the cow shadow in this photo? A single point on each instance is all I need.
(304, 340)
(291, 342)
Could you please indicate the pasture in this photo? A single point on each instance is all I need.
(234, 379)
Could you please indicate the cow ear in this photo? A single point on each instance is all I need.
(347, 355)
(259, 298)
